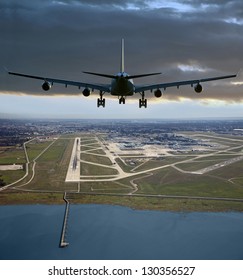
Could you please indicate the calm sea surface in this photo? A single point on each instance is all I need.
(113, 232)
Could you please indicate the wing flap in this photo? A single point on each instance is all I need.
(181, 83)
(104, 88)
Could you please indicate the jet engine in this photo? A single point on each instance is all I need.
(46, 86)
(157, 93)
(86, 92)
(198, 88)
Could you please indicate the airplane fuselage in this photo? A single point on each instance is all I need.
(122, 85)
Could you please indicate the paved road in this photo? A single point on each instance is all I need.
(27, 166)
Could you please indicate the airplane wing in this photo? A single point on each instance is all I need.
(104, 88)
(178, 84)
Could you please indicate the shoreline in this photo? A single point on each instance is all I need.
(134, 202)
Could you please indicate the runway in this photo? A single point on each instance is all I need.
(73, 173)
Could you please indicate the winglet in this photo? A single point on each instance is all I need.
(5, 68)
(239, 71)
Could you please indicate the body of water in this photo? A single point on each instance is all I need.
(114, 232)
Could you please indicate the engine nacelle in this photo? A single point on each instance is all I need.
(86, 92)
(198, 88)
(157, 93)
(46, 86)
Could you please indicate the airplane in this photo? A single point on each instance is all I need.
(122, 84)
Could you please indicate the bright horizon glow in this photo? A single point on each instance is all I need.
(84, 108)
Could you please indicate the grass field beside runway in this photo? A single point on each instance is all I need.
(51, 167)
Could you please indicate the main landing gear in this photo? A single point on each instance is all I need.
(122, 100)
(101, 100)
(143, 101)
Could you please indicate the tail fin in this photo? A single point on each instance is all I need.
(122, 66)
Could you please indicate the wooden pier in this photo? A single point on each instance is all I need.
(63, 242)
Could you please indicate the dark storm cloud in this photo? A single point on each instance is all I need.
(63, 38)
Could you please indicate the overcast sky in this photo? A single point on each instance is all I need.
(183, 39)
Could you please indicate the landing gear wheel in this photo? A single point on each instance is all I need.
(143, 101)
(122, 100)
(101, 101)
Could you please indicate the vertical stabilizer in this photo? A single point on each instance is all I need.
(122, 66)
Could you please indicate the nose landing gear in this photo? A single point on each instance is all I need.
(122, 100)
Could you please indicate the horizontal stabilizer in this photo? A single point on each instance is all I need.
(101, 75)
(142, 75)
(115, 77)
